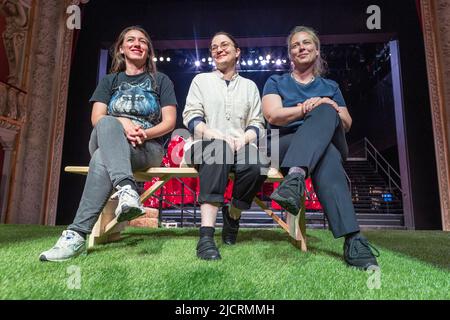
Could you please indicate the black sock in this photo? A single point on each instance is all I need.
(207, 232)
(130, 182)
(306, 170)
(82, 234)
(351, 235)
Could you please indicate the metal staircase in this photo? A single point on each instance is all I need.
(377, 204)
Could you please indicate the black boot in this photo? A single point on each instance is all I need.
(291, 193)
(206, 247)
(358, 253)
(230, 227)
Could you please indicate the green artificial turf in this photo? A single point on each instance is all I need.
(161, 264)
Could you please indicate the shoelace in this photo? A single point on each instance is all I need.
(368, 246)
(67, 236)
(296, 179)
(126, 190)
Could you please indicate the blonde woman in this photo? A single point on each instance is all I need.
(311, 115)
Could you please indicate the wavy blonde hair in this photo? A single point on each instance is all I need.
(320, 65)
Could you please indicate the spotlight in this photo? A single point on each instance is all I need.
(243, 63)
(197, 63)
(250, 62)
(268, 57)
(209, 59)
(263, 63)
(256, 61)
(278, 62)
(284, 60)
(161, 59)
(155, 59)
(260, 58)
(203, 60)
(168, 59)
(273, 61)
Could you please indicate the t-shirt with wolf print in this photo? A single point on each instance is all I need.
(137, 97)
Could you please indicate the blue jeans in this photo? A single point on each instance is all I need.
(113, 159)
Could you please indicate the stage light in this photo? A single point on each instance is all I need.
(284, 60)
(263, 63)
(268, 57)
(256, 61)
(243, 63)
(250, 62)
(155, 59)
(209, 59)
(168, 59)
(278, 62)
(203, 60)
(260, 58)
(161, 59)
(197, 63)
(273, 61)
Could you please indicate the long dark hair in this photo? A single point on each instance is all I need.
(118, 60)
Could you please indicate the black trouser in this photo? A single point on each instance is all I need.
(319, 145)
(214, 160)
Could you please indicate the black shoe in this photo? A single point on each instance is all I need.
(207, 249)
(291, 193)
(358, 253)
(230, 227)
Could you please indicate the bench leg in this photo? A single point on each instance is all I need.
(99, 234)
(107, 229)
(295, 226)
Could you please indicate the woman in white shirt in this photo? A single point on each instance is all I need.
(223, 112)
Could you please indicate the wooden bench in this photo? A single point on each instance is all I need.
(107, 228)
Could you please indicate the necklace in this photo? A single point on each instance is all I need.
(303, 84)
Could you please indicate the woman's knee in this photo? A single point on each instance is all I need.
(108, 122)
(96, 162)
(325, 110)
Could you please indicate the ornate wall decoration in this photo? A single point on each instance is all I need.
(436, 27)
(17, 16)
(38, 161)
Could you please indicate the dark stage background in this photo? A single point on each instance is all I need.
(370, 101)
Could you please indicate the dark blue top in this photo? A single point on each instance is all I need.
(293, 92)
(137, 97)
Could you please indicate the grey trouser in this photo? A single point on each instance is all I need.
(319, 145)
(113, 159)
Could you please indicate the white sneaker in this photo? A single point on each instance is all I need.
(69, 245)
(129, 206)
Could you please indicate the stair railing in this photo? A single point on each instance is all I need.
(383, 164)
(348, 181)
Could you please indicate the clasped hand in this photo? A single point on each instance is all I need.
(135, 134)
(312, 103)
(234, 143)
